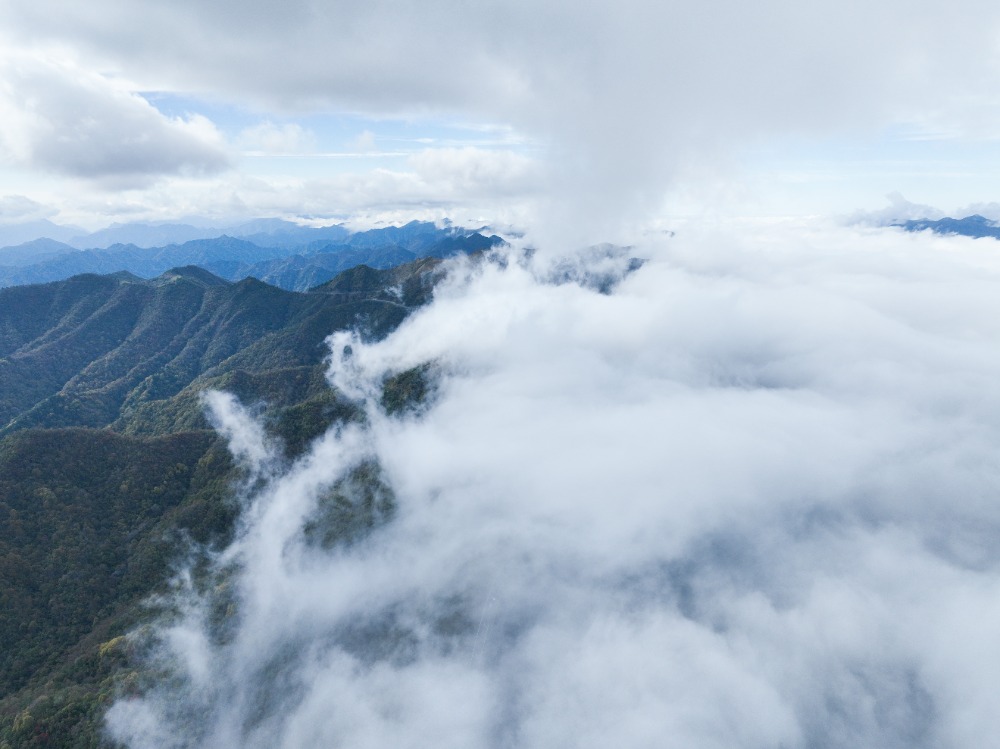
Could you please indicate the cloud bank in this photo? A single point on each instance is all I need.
(748, 498)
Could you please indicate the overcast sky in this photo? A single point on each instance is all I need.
(499, 111)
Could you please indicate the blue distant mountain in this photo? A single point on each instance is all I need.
(970, 226)
(299, 257)
(35, 251)
(272, 232)
(142, 235)
(15, 234)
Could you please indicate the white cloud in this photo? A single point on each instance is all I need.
(60, 118)
(19, 208)
(469, 186)
(271, 139)
(476, 171)
(365, 142)
(899, 209)
(748, 499)
(623, 96)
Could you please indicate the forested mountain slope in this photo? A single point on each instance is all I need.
(108, 469)
(117, 351)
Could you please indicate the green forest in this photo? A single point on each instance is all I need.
(110, 477)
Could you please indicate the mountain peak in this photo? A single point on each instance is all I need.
(193, 273)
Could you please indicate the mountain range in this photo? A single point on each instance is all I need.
(270, 231)
(278, 252)
(971, 226)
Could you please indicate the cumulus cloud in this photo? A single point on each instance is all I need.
(60, 118)
(747, 498)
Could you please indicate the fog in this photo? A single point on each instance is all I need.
(744, 495)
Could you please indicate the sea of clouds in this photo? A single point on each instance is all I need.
(748, 496)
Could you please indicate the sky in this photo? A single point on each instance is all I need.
(509, 112)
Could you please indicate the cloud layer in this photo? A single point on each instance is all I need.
(746, 499)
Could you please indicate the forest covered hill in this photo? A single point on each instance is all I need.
(109, 472)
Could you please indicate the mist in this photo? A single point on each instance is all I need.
(742, 495)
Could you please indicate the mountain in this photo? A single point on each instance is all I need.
(143, 235)
(108, 470)
(319, 261)
(970, 226)
(316, 261)
(13, 234)
(265, 232)
(416, 236)
(277, 233)
(146, 263)
(35, 251)
(126, 353)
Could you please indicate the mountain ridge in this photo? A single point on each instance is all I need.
(290, 266)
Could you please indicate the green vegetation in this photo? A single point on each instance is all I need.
(109, 475)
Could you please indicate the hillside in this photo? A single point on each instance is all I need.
(108, 469)
(121, 352)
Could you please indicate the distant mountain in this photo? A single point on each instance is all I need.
(35, 251)
(142, 235)
(319, 262)
(970, 226)
(416, 236)
(270, 232)
(14, 234)
(264, 232)
(146, 263)
(292, 268)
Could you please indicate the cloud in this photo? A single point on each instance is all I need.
(899, 209)
(271, 139)
(469, 186)
(989, 210)
(746, 499)
(19, 208)
(365, 142)
(476, 171)
(62, 119)
(624, 98)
